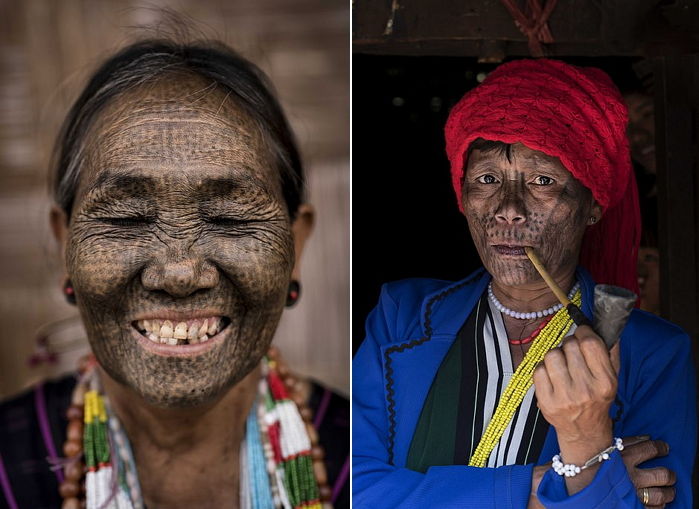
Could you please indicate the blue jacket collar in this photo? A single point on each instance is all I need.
(444, 311)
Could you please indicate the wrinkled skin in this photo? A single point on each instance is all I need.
(531, 199)
(179, 207)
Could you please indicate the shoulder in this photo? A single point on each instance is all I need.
(404, 305)
(32, 426)
(651, 339)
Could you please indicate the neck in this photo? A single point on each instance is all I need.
(174, 447)
(533, 296)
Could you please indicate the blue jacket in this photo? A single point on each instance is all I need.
(408, 335)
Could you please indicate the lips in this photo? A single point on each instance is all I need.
(509, 250)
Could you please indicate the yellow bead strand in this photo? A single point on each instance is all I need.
(549, 337)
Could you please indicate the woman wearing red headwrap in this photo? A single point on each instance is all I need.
(461, 396)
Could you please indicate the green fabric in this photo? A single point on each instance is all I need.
(433, 440)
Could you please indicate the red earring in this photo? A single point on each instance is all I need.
(293, 294)
(69, 292)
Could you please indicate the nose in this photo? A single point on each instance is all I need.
(180, 274)
(511, 209)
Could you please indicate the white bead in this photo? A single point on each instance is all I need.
(605, 456)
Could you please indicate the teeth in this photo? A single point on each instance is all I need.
(165, 332)
(166, 329)
(181, 331)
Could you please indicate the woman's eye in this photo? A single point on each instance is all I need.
(487, 179)
(543, 180)
(226, 221)
(127, 221)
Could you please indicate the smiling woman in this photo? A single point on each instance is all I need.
(179, 206)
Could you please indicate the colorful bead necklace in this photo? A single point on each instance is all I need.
(281, 461)
(549, 337)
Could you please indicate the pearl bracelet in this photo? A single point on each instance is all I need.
(570, 470)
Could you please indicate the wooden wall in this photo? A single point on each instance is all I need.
(47, 50)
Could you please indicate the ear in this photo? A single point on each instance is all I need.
(301, 228)
(59, 227)
(595, 212)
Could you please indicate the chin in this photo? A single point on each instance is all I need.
(513, 273)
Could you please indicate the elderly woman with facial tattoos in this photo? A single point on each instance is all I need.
(483, 393)
(180, 210)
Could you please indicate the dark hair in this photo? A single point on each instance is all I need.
(144, 61)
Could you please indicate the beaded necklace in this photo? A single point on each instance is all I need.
(549, 337)
(280, 459)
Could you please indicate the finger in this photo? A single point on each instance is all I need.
(653, 477)
(633, 440)
(597, 357)
(657, 496)
(615, 357)
(557, 369)
(577, 366)
(644, 451)
(542, 383)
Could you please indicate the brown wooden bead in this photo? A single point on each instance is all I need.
(72, 448)
(317, 452)
(69, 489)
(325, 492)
(75, 430)
(74, 470)
(298, 399)
(71, 503)
(273, 352)
(282, 369)
(289, 381)
(306, 413)
(320, 473)
(312, 433)
(75, 413)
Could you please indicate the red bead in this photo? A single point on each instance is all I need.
(69, 489)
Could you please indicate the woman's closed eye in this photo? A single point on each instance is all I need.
(128, 221)
(228, 221)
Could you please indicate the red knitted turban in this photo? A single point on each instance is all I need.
(573, 113)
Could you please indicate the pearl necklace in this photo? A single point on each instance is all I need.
(534, 314)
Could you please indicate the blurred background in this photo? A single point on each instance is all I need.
(48, 48)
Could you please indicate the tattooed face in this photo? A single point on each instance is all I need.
(179, 246)
(524, 198)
